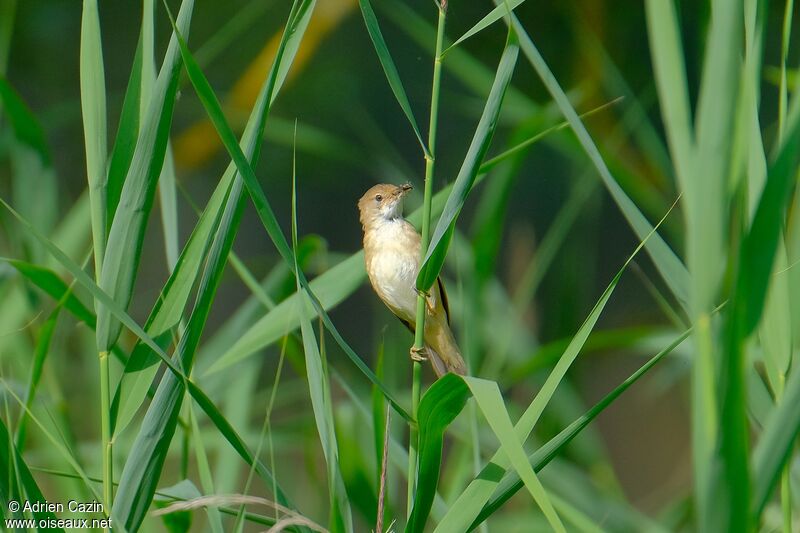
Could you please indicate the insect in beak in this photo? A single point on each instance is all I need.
(404, 189)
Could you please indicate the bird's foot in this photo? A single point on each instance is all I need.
(428, 299)
(418, 354)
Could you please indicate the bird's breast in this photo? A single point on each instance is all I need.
(392, 262)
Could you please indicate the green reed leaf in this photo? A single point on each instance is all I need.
(389, 68)
(440, 241)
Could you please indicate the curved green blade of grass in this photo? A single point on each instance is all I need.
(341, 519)
(149, 71)
(669, 266)
(778, 437)
(762, 239)
(53, 285)
(507, 485)
(670, 78)
(478, 492)
(440, 241)
(487, 394)
(125, 238)
(775, 328)
(705, 190)
(168, 206)
(167, 192)
(440, 405)
(389, 68)
(93, 108)
(127, 229)
(125, 140)
(793, 257)
(490, 18)
(748, 144)
(299, 17)
(12, 468)
(702, 172)
(723, 502)
(438, 408)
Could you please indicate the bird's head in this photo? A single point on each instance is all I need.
(382, 202)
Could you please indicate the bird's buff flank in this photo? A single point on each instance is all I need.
(391, 254)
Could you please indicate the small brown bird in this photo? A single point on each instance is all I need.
(391, 254)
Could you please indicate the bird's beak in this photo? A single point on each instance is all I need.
(404, 189)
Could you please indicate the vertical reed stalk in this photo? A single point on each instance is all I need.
(105, 429)
(419, 332)
(93, 110)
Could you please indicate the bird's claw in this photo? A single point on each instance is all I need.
(428, 298)
(418, 354)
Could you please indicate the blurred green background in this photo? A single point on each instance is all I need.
(542, 216)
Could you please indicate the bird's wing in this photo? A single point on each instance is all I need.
(443, 298)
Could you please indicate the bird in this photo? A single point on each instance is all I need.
(392, 260)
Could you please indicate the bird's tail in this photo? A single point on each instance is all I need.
(442, 350)
(442, 366)
(436, 362)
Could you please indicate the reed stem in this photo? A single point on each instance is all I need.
(419, 332)
(105, 425)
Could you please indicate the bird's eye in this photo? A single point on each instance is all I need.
(378, 197)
